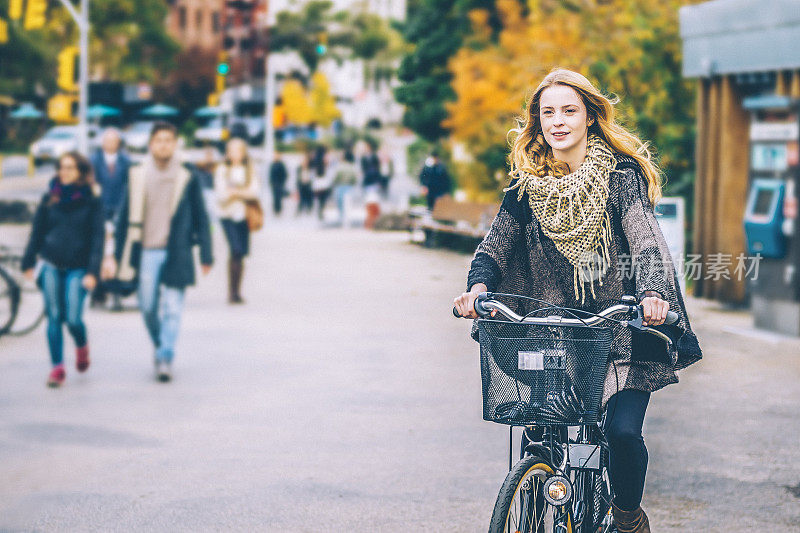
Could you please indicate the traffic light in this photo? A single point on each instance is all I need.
(322, 43)
(15, 10)
(66, 68)
(223, 69)
(3, 31)
(61, 108)
(35, 14)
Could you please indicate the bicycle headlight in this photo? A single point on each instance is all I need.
(557, 490)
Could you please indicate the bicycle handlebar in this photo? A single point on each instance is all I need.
(486, 305)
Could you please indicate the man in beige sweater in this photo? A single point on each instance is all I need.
(161, 219)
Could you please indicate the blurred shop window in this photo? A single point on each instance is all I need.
(215, 21)
(182, 17)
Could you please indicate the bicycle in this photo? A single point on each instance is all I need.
(24, 295)
(9, 301)
(547, 374)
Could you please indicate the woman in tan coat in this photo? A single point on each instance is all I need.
(235, 184)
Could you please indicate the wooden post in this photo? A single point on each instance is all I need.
(732, 187)
(701, 175)
(794, 88)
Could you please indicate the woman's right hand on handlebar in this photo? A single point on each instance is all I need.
(465, 304)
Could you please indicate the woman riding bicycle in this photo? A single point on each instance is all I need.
(576, 229)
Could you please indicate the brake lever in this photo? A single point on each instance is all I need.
(637, 323)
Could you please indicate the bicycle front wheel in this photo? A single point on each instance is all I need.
(521, 506)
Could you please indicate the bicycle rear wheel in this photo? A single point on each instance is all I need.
(9, 301)
(521, 507)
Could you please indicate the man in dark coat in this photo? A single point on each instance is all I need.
(277, 182)
(434, 179)
(162, 218)
(111, 166)
(371, 168)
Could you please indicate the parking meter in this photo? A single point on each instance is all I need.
(771, 212)
(763, 218)
(671, 215)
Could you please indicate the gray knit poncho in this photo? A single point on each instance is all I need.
(516, 257)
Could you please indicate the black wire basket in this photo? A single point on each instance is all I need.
(542, 375)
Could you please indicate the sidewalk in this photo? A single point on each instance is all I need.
(344, 397)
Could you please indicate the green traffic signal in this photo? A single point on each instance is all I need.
(321, 49)
(223, 69)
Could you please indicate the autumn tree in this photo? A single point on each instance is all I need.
(345, 34)
(128, 43)
(627, 47)
(323, 104)
(437, 29)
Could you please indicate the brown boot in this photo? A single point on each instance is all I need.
(630, 521)
(235, 268)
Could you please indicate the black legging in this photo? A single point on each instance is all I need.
(628, 461)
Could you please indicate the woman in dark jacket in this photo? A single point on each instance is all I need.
(67, 237)
(579, 204)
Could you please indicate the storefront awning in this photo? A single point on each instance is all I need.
(740, 36)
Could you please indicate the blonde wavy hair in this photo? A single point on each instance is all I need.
(530, 152)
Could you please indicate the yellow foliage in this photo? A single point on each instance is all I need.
(323, 103)
(303, 107)
(627, 47)
(296, 103)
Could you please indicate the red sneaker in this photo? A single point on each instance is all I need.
(82, 358)
(56, 377)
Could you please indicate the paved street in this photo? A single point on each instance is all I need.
(344, 397)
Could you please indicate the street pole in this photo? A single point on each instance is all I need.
(82, 20)
(83, 102)
(269, 127)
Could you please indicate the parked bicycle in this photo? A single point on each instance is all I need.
(21, 303)
(547, 375)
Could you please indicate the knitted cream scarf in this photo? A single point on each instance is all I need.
(572, 212)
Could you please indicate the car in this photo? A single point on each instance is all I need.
(213, 133)
(137, 136)
(59, 140)
(254, 128)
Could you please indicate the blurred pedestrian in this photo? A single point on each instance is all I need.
(346, 178)
(434, 179)
(371, 169)
(67, 236)
(206, 166)
(277, 182)
(322, 181)
(371, 172)
(305, 195)
(236, 187)
(386, 171)
(161, 219)
(111, 166)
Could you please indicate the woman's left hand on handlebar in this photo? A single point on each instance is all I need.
(654, 310)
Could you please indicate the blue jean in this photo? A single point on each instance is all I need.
(63, 302)
(161, 306)
(342, 192)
